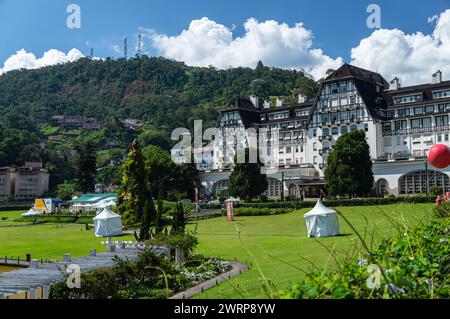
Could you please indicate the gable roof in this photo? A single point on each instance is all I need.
(425, 89)
(370, 86)
(247, 110)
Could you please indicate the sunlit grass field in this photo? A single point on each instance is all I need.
(276, 246)
(279, 250)
(46, 241)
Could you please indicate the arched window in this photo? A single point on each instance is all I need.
(382, 187)
(416, 182)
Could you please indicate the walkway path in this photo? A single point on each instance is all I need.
(237, 269)
(29, 279)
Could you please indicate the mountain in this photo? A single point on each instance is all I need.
(164, 92)
(161, 93)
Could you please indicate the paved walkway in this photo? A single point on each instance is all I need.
(237, 269)
(46, 274)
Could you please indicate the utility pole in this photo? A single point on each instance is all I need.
(426, 176)
(282, 186)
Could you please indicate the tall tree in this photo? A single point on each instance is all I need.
(178, 221)
(86, 166)
(246, 180)
(134, 186)
(349, 168)
(148, 216)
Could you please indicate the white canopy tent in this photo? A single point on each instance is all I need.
(107, 224)
(32, 212)
(322, 221)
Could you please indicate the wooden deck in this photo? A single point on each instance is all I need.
(34, 283)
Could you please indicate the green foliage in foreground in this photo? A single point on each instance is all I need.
(279, 249)
(442, 211)
(151, 276)
(412, 264)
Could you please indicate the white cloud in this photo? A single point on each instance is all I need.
(25, 60)
(411, 57)
(207, 42)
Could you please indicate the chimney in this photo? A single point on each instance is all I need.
(302, 98)
(280, 101)
(394, 84)
(255, 100)
(437, 77)
(267, 104)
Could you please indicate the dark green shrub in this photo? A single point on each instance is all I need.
(436, 190)
(368, 201)
(252, 211)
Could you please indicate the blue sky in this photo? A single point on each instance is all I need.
(337, 26)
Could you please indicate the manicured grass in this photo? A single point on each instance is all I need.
(7, 218)
(49, 241)
(279, 245)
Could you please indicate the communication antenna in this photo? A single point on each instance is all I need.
(92, 53)
(139, 45)
(125, 47)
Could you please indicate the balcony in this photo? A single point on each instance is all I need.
(416, 130)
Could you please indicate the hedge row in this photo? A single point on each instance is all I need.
(56, 218)
(5, 208)
(253, 211)
(346, 202)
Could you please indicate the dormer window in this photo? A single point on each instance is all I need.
(408, 98)
(441, 94)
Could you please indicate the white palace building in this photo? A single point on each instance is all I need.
(401, 124)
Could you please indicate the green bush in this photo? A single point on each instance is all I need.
(5, 208)
(57, 219)
(436, 190)
(414, 263)
(252, 211)
(369, 201)
(442, 211)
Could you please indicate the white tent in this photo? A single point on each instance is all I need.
(32, 212)
(321, 221)
(107, 224)
(234, 200)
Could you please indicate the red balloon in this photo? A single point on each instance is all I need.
(439, 156)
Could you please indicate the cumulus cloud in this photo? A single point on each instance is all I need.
(207, 42)
(25, 60)
(411, 57)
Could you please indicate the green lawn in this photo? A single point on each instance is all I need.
(278, 243)
(46, 241)
(281, 248)
(7, 218)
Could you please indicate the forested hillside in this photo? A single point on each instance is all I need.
(167, 93)
(162, 93)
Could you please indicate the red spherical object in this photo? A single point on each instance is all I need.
(439, 156)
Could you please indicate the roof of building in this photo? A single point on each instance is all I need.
(425, 89)
(90, 198)
(370, 86)
(354, 72)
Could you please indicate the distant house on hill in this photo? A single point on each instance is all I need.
(76, 122)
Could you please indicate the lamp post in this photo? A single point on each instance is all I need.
(426, 176)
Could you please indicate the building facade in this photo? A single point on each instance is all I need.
(31, 181)
(401, 125)
(7, 180)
